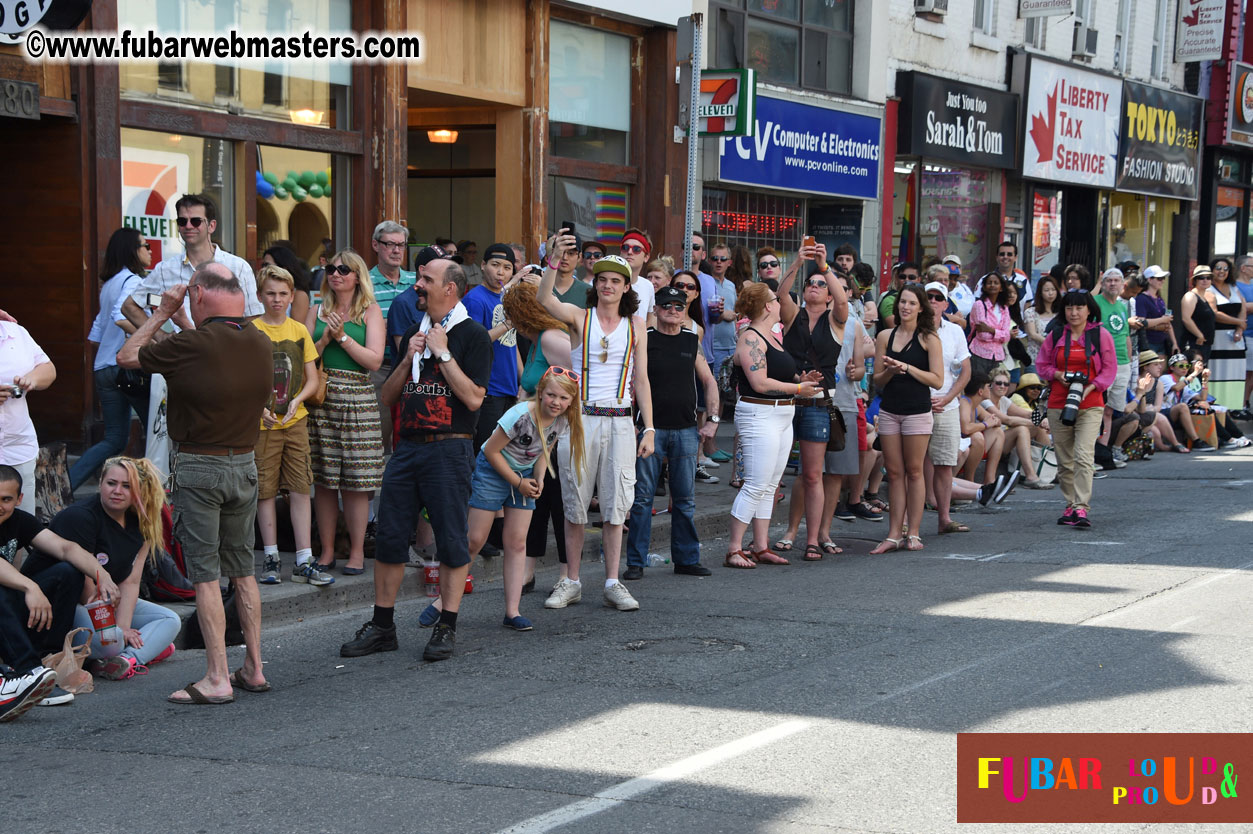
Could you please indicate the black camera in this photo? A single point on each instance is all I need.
(1077, 380)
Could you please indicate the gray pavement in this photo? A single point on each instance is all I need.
(819, 697)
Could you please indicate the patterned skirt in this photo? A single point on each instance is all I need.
(346, 434)
(1226, 361)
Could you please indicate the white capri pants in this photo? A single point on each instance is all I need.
(766, 438)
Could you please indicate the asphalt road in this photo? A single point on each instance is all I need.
(819, 697)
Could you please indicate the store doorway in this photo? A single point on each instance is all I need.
(452, 184)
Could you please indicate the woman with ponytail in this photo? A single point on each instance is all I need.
(122, 527)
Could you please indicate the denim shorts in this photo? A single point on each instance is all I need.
(489, 491)
(812, 423)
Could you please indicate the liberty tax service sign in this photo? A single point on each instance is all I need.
(1072, 122)
(799, 147)
(1199, 36)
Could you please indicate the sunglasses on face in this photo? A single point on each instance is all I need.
(557, 370)
(935, 296)
(999, 384)
(767, 264)
(685, 287)
(1220, 269)
(145, 246)
(720, 258)
(817, 283)
(632, 249)
(194, 221)
(340, 269)
(593, 256)
(697, 247)
(910, 276)
(672, 305)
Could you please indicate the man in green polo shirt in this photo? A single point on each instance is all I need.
(389, 281)
(1116, 319)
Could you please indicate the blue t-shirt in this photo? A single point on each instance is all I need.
(1246, 290)
(404, 313)
(484, 306)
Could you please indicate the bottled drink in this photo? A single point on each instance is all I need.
(656, 560)
(430, 576)
(104, 627)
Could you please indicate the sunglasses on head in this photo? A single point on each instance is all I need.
(194, 221)
(685, 287)
(557, 370)
(672, 305)
(341, 269)
(720, 258)
(767, 264)
(633, 249)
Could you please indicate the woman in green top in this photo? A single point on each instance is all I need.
(345, 432)
(550, 345)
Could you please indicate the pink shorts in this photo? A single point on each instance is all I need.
(889, 423)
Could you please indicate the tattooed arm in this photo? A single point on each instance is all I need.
(751, 354)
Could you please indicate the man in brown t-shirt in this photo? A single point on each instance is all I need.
(220, 378)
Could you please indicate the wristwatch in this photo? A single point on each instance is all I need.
(714, 418)
(343, 338)
(445, 357)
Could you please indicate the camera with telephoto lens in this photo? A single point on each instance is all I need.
(1077, 380)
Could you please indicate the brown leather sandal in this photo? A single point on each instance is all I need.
(768, 557)
(749, 564)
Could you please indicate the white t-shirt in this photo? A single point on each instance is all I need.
(953, 340)
(648, 296)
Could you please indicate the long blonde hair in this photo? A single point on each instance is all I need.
(363, 295)
(147, 498)
(574, 418)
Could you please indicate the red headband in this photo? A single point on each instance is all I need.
(639, 238)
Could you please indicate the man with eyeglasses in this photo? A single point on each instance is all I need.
(609, 351)
(636, 249)
(675, 367)
(567, 286)
(197, 221)
(389, 281)
(591, 253)
(469, 251)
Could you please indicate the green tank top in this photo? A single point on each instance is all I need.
(535, 366)
(334, 356)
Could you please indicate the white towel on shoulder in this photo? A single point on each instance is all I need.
(455, 317)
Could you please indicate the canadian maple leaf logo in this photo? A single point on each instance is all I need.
(1042, 128)
(1194, 16)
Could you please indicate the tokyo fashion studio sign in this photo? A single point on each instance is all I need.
(950, 120)
(800, 147)
(1072, 125)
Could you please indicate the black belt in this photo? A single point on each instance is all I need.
(216, 451)
(435, 438)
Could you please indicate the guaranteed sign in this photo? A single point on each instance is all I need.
(1160, 148)
(1072, 125)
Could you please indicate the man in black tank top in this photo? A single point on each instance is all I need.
(676, 365)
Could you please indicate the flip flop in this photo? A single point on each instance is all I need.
(783, 545)
(954, 527)
(196, 698)
(830, 547)
(813, 553)
(237, 680)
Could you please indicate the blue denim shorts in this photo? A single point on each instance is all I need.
(489, 491)
(812, 423)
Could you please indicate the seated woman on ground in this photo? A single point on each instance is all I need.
(1151, 393)
(1196, 396)
(981, 426)
(1017, 425)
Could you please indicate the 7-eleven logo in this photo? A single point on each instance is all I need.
(721, 103)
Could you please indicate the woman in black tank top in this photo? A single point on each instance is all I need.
(768, 382)
(909, 362)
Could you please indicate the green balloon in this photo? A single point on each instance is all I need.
(307, 179)
(290, 184)
(270, 177)
(281, 192)
(326, 190)
(298, 194)
(322, 178)
(315, 190)
(293, 176)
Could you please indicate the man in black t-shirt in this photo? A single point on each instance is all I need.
(440, 384)
(37, 609)
(676, 365)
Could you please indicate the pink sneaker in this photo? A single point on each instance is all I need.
(165, 655)
(121, 668)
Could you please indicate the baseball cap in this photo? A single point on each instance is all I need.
(430, 253)
(500, 250)
(613, 263)
(1155, 271)
(670, 294)
(936, 286)
(952, 259)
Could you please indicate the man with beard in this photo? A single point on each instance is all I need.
(440, 384)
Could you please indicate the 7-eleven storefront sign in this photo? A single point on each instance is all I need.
(728, 102)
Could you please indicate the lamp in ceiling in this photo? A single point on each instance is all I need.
(442, 137)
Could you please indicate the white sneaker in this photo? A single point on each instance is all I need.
(617, 596)
(707, 462)
(565, 592)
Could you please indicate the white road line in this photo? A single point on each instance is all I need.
(1095, 543)
(611, 797)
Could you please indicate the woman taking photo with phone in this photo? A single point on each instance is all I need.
(909, 362)
(1083, 348)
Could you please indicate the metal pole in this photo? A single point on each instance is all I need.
(693, 139)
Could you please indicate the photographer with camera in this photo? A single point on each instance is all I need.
(1080, 360)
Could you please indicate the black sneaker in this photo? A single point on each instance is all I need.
(633, 572)
(987, 491)
(369, 639)
(693, 570)
(703, 476)
(1004, 486)
(843, 513)
(864, 511)
(439, 647)
(58, 697)
(18, 693)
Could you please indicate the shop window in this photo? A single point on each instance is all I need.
(807, 43)
(597, 209)
(310, 93)
(1227, 219)
(1140, 229)
(1159, 61)
(985, 11)
(158, 168)
(1033, 32)
(589, 93)
(952, 212)
(753, 220)
(296, 195)
(1122, 37)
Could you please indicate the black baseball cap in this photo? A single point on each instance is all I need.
(500, 250)
(426, 254)
(669, 294)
